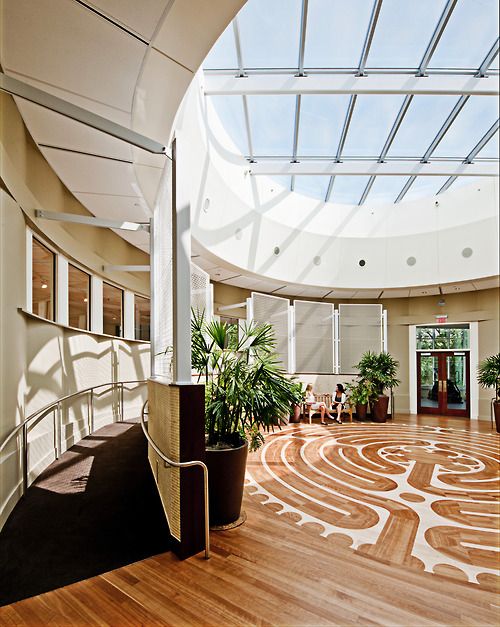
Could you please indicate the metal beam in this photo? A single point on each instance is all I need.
(343, 136)
(444, 129)
(323, 167)
(436, 36)
(407, 186)
(377, 5)
(237, 43)
(367, 189)
(246, 115)
(91, 221)
(447, 184)
(18, 88)
(283, 83)
(295, 136)
(303, 28)
(488, 59)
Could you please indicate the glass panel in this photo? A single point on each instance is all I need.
(471, 124)
(142, 316)
(223, 54)
(371, 122)
(43, 265)
(492, 148)
(425, 186)
(424, 118)
(270, 33)
(443, 337)
(429, 381)
(385, 189)
(229, 110)
(78, 297)
(271, 124)
(468, 36)
(112, 310)
(321, 121)
(456, 382)
(315, 186)
(403, 32)
(336, 33)
(348, 189)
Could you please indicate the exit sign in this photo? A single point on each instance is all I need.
(441, 319)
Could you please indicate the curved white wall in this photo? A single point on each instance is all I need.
(246, 217)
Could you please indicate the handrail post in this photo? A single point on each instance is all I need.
(121, 402)
(24, 457)
(207, 513)
(92, 410)
(57, 430)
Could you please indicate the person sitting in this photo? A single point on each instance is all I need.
(338, 402)
(315, 406)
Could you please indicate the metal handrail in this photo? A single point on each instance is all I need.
(170, 462)
(56, 405)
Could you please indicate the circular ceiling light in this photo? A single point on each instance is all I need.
(467, 252)
(44, 286)
(317, 260)
(411, 261)
(206, 205)
(276, 250)
(362, 262)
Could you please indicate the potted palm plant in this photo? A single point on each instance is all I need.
(298, 391)
(246, 393)
(488, 376)
(360, 394)
(379, 369)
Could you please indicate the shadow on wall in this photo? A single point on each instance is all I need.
(94, 509)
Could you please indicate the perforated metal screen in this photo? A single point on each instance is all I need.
(161, 259)
(201, 294)
(275, 311)
(360, 330)
(313, 337)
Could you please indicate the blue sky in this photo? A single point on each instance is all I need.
(336, 29)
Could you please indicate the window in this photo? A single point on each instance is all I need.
(142, 317)
(42, 282)
(112, 310)
(78, 298)
(443, 337)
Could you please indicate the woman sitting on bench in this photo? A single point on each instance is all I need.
(338, 402)
(315, 406)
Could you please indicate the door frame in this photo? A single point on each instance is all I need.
(473, 361)
(441, 410)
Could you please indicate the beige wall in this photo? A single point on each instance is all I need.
(478, 306)
(41, 361)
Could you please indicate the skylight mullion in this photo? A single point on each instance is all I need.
(377, 5)
(303, 28)
(237, 43)
(368, 187)
(248, 129)
(488, 59)
(436, 36)
(295, 137)
(443, 130)
(482, 142)
(407, 186)
(347, 122)
(448, 184)
(395, 127)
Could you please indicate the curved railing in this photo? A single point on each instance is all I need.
(170, 462)
(56, 407)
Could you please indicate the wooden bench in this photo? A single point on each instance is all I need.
(308, 412)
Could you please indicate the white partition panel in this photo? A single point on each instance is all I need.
(275, 311)
(201, 291)
(360, 330)
(314, 337)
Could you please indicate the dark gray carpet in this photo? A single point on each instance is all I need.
(94, 509)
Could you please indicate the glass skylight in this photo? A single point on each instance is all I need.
(390, 39)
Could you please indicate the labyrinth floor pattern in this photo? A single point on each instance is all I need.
(422, 497)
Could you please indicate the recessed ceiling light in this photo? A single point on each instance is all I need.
(44, 286)
(85, 300)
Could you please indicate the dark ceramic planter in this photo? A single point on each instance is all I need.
(295, 415)
(226, 476)
(380, 407)
(496, 409)
(361, 411)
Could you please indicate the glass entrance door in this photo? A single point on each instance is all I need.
(443, 383)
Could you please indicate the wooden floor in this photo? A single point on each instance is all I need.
(329, 540)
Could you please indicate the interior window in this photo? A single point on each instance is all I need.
(142, 318)
(43, 272)
(112, 310)
(78, 297)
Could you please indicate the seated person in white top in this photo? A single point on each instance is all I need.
(338, 400)
(321, 407)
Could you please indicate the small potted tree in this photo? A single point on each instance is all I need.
(246, 392)
(379, 369)
(360, 394)
(488, 376)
